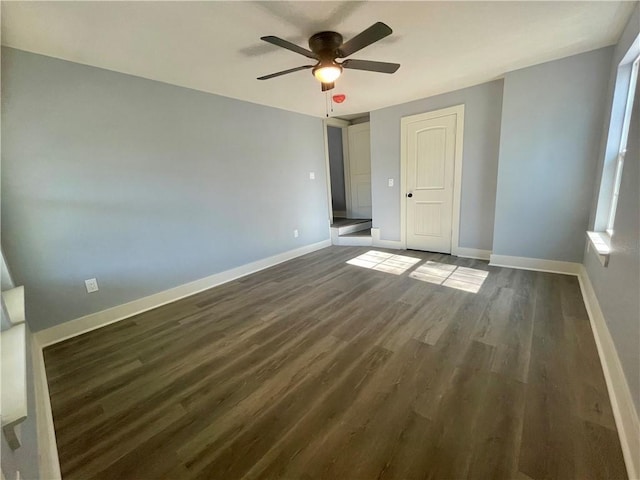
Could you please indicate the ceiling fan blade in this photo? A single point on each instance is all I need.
(284, 72)
(289, 46)
(381, 67)
(375, 32)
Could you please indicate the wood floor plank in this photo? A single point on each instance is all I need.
(255, 439)
(458, 414)
(496, 437)
(355, 432)
(513, 350)
(317, 368)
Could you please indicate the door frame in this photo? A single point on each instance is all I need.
(341, 124)
(457, 110)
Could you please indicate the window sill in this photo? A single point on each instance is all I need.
(600, 242)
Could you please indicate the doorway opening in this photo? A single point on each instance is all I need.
(336, 172)
(349, 175)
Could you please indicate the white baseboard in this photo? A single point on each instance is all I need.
(621, 400)
(378, 242)
(356, 241)
(92, 321)
(537, 264)
(459, 251)
(48, 462)
(475, 253)
(333, 234)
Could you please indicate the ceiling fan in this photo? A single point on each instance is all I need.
(326, 47)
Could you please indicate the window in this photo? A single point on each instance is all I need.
(623, 146)
(624, 90)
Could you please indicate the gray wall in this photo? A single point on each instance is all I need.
(336, 164)
(551, 127)
(480, 161)
(617, 286)
(143, 185)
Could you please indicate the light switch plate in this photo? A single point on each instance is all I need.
(92, 285)
(312, 175)
(391, 182)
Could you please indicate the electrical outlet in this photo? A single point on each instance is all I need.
(391, 182)
(295, 233)
(312, 175)
(92, 285)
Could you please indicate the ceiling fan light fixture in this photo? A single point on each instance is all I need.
(327, 73)
(326, 47)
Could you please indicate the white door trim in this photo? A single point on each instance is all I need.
(336, 122)
(457, 110)
(342, 124)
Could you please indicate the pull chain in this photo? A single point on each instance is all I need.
(326, 103)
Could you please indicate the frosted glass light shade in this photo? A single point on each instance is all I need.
(328, 74)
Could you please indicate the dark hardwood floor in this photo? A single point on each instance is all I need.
(317, 368)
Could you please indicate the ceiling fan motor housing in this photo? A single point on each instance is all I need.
(326, 45)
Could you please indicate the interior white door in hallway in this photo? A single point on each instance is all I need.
(429, 157)
(359, 170)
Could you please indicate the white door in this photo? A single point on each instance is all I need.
(360, 170)
(430, 161)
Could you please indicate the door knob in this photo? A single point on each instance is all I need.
(409, 195)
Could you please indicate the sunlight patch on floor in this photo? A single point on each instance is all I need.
(462, 278)
(384, 262)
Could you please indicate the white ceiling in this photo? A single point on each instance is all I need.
(215, 46)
